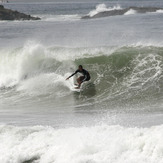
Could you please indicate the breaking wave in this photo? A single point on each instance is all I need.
(159, 11)
(102, 8)
(117, 74)
(103, 11)
(52, 18)
(130, 12)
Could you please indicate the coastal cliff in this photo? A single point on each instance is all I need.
(7, 14)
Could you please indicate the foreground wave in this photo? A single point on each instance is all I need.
(100, 144)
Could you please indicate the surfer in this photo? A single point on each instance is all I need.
(81, 79)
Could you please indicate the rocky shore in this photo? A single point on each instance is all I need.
(122, 12)
(7, 14)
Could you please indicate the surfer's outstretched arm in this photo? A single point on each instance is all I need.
(72, 75)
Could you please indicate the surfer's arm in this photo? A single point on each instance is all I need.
(72, 74)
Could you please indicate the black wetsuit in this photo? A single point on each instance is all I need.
(85, 74)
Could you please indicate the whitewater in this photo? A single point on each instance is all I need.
(117, 117)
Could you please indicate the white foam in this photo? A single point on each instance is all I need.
(21, 63)
(102, 8)
(130, 12)
(101, 144)
(52, 18)
(159, 11)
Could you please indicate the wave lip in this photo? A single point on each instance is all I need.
(120, 11)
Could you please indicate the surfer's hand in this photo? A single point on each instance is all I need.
(67, 78)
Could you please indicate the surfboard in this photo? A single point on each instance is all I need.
(74, 89)
(72, 84)
(83, 86)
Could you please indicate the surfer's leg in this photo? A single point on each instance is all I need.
(79, 80)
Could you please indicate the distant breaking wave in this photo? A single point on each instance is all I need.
(130, 12)
(103, 11)
(160, 11)
(103, 8)
(52, 18)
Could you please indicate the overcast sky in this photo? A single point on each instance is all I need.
(100, 1)
(58, 0)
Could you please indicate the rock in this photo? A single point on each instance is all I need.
(7, 14)
(1, 7)
(122, 12)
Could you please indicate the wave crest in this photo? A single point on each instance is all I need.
(102, 8)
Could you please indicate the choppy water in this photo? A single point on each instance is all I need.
(116, 117)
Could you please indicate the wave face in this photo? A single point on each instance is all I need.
(118, 75)
(94, 144)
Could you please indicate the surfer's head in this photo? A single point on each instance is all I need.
(80, 67)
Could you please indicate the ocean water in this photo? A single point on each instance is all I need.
(117, 117)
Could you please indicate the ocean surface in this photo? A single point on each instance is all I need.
(117, 117)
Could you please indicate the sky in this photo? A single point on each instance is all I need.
(58, 0)
(99, 1)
